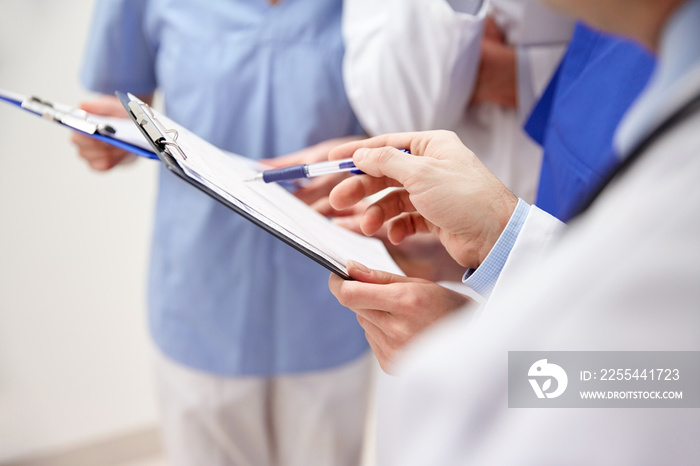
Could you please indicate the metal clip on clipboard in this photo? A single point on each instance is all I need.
(69, 116)
(109, 130)
(162, 138)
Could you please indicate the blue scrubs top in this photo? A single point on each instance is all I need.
(262, 81)
(598, 79)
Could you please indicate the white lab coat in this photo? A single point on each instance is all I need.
(624, 276)
(411, 65)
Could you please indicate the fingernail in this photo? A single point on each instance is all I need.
(360, 154)
(359, 267)
(100, 165)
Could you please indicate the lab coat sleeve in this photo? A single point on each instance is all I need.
(409, 65)
(537, 236)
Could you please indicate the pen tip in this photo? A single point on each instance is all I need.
(255, 178)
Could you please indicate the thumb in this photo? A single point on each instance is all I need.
(105, 106)
(363, 274)
(295, 158)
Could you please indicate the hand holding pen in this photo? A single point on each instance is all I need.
(309, 170)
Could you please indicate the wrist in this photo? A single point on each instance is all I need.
(483, 279)
(502, 212)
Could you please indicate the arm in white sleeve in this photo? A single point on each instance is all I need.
(410, 64)
(539, 233)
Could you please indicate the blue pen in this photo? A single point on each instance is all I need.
(310, 170)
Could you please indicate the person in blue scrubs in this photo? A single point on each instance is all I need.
(575, 120)
(260, 364)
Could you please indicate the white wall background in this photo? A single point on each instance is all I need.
(74, 351)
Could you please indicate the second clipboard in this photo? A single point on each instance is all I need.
(109, 130)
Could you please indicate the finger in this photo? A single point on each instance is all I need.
(379, 319)
(355, 188)
(104, 105)
(319, 188)
(389, 206)
(358, 295)
(100, 152)
(388, 162)
(410, 141)
(350, 222)
(100, 159)
(94, 145)
(347, 219)
(90, 149)
(92, 155)
(382, 347)
(323, 206)
(406, 225)
(335, 285)
(373, 331)
(84, 141)
(101, 164)
(107, 163)
(294, 158)
(360, 272)
(379, 352)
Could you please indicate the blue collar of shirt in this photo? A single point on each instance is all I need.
(679, 61)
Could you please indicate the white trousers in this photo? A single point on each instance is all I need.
(309, 419)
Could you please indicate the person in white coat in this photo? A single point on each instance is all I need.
(415, 65)
(622, 276)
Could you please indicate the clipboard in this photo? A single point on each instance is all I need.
(102, 128)
(265, 205)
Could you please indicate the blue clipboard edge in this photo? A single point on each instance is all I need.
(10, 100)
(141, 152)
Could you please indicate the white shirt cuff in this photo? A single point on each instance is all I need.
(483, 279)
